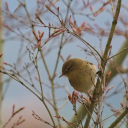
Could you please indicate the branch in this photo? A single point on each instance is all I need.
(119, 118)
(103, 63)
(81, 112)
(18, 80)
(111, 32)
(118, 53)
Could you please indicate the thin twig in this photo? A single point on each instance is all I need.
(114, 113)
(117, 53)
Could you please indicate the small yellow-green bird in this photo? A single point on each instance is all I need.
(81, 74)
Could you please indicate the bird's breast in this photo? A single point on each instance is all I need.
(82, 81)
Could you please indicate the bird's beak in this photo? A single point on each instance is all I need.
(60, 75)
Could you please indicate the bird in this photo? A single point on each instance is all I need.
(81, 74)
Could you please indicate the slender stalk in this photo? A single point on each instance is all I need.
(111, 32)
(53, 92)
(82, 112)
(119, 118)
(61, 40)
(32, 26)
(36, 90)
(52, 84)
(58, 57)
(42, 99)
(42, 56)
(91, 108)
(54, 102)
(118, 53)
(15, 78)
(86, 43)
(36, 66)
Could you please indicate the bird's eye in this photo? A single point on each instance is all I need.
(68, 69)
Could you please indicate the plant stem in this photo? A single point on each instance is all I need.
(111, 32)
(119, 118)
(42, 99)
(42, 56)
(61, 40)
(37, 67)
(118, 53)
(82, 112)
(103, 63)
(58, 57)
(52, 85)
(91, 108)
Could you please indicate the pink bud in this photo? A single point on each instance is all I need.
(37, 35)
(98, 66)
(20, 117)
(109, 89)
(74, 29)
(49, 8)
(81, 96)
(7, 64)
(69, 97)
(33, 32)
(57, 116)
(102, 9)
(62, 58)
(91, 9)
(110, 46)
(74, 93)
(6, 3)
(99, 11)
(68, 56)
(60, 55)
(36, 77)
(87, 99)
(58, 9)
(7, 8)
(82, 25)
(55, 74)
(37, 45)
(74, 97)
(84, 3)
(39, 32)
(42, 34)
(71, 22)
(108, 74)
(39, 19)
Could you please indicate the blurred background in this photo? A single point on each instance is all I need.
(17, 34)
